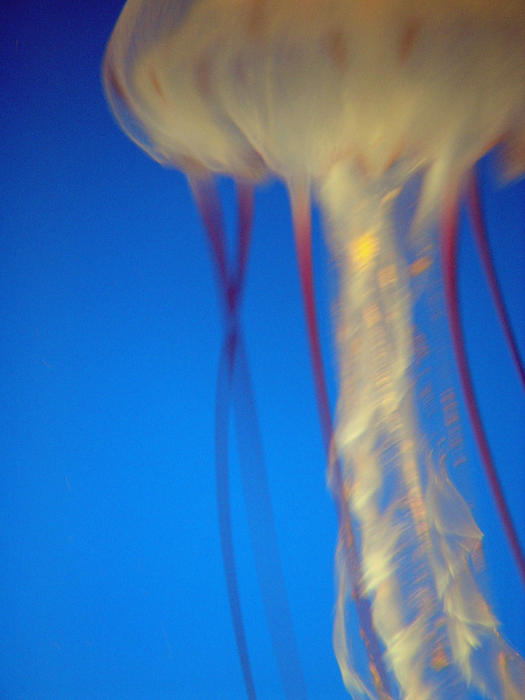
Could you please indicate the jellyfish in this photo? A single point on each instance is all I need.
(379, 111)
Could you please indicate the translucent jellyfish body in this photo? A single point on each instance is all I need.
(352, 101)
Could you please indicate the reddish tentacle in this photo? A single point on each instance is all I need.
(210, 209)
(481, 238)
(449, 247)
(234, 382)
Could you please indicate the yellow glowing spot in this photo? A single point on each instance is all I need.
(364, 249)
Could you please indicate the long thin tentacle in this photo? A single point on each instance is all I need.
(263, 533)
(301, 210)
(449, 243)
(222, 481)
(209, 206)
(235, 382)
(481, 238)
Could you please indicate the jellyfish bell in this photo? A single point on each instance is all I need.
(351, 101)
(303, 85)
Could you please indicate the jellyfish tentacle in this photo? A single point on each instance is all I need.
(450, 280)
(301, 212)
(234, 383)
(208, 204)
(481, 238)
(263, 533)
(257, 493)
(394, 485)
(300, 202)
(222, 483)
(485, 659)
(207, 201)
(245, 216)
